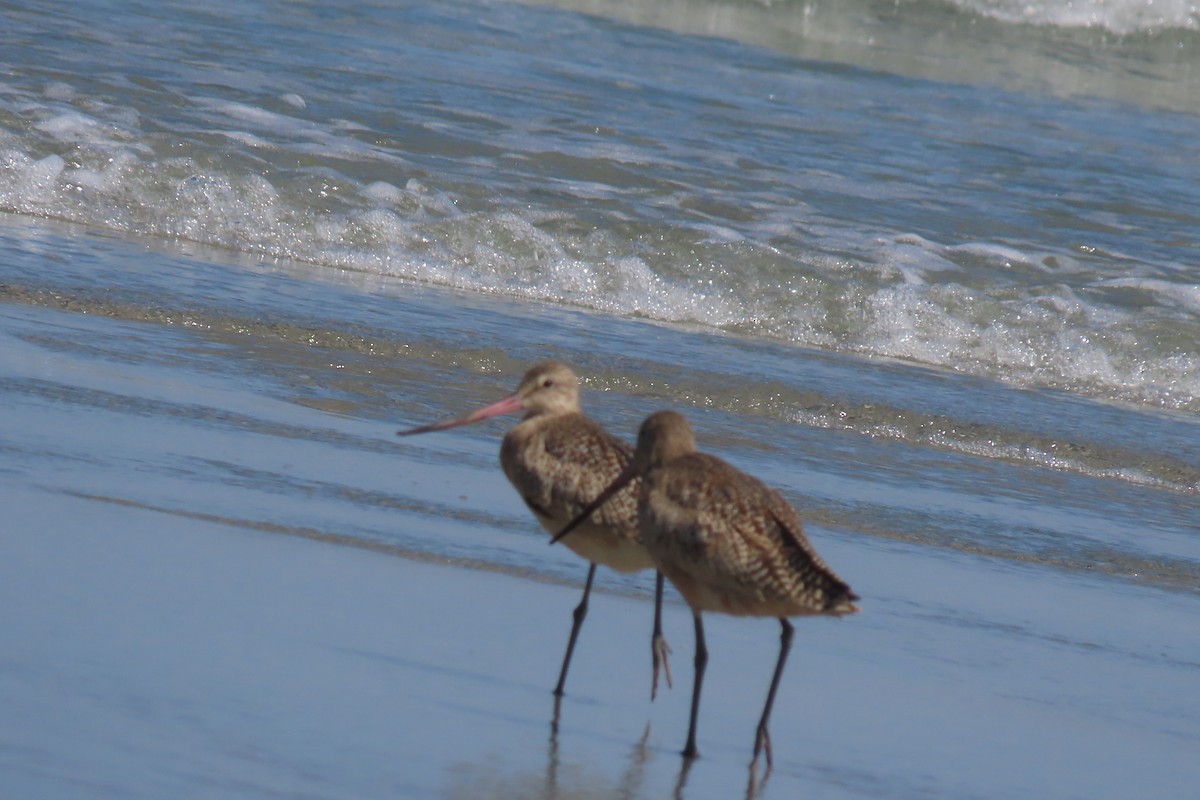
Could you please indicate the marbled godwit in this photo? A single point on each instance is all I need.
(559, 460)
(728, 543)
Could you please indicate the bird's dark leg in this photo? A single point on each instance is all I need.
(701, 661)
(658, 645)
(762, 738)
(578, 615)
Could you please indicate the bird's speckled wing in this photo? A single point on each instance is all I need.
(562, 463)
(739, 536)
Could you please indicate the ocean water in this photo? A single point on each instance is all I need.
(906, 206)
(930, 268)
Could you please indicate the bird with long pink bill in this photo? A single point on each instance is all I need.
(727, 542)
(559, 460)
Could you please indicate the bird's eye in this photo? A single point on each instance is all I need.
(547, 383)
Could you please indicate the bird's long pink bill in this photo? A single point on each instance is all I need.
(508, 405)
(622, 480)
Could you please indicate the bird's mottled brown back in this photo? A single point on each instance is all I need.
(560, 463)
(735, 542)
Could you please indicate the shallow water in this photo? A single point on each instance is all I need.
(887, 449)
(233, 579)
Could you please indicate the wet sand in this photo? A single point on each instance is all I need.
(165, 636)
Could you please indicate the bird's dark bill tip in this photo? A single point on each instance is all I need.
(437, 426)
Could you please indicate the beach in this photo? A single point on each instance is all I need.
(192, 614)
(927, 269)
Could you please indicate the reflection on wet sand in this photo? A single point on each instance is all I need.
(754, 786)
(570, 781)
(575, 781)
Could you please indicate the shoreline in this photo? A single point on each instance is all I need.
(185, 618)
(154, 659)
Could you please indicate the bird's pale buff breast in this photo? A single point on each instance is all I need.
(559, 464)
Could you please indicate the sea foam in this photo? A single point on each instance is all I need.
(1119, 16)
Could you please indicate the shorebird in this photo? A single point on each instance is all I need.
(559, 460)
(728, 543)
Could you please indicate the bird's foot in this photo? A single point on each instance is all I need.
(762, 742)
(659, 650)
